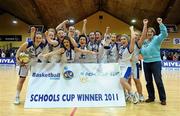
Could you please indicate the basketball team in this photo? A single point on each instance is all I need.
(62, 45)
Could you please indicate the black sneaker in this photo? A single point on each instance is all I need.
(149, 100)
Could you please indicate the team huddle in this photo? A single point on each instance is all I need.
(62, 45)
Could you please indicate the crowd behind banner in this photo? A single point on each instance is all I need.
(8, 53)
(170, 54)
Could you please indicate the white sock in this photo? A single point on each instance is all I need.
(131, 93)
(17, 93)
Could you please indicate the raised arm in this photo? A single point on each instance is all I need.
(50, 40)
(144, 32)
(107, 31)
(65, 28)
(59, 51)
(32, 33)
(132, 41)
(84, 51)
(84, 27)
(72, 41)
(163, 31)
(61, 25)
(106, 38)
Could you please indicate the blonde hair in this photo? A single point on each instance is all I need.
(52, 30)
(126, 36)
(152, 29)
(137, 31)
(113, 34)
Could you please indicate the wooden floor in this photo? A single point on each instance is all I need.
(8, 80)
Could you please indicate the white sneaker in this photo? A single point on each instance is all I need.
(141, 98)
(131, 97)
(127, 97)
(135, 98)
(17, 101)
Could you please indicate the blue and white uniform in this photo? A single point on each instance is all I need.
(112, 54)
(56, 58)
(124, 57)
(81, 57)
(134, 63)
(68, 56)
(109, 55)
(92, 58)
(33, 53)
(46, 50)
(102, 54)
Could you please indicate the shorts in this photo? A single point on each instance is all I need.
(135, 70)
(125, 71)
(23, 70)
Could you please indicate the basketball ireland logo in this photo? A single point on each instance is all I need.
(68, 74)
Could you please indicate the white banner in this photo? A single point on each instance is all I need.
(74, 85)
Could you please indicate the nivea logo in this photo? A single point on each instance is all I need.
(171, 64)
(7, 61)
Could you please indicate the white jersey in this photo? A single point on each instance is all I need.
(34, 52)
(59, 45)
(56, 58)
(124, 56)
(46, 48)
(81, 57)
(102, 54)
(68, 56)
(112, 54)
(135, 54)
(108, 55)
(45, 51)
(92, 58)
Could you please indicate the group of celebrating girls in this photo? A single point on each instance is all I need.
(62, 45)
